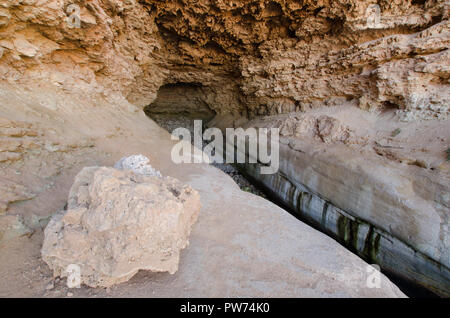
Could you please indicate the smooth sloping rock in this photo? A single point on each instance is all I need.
(382, 203)
(12, 226)
(119, 222)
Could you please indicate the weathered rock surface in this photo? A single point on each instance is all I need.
(253, 57)
(389, 203)
(241, 245)
(11, 227)
(120, 222)
(138, 164)
(11, 192)
(246, 58)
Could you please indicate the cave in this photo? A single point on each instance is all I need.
(182, 100)
(357, 107)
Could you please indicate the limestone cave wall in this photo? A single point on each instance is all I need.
(255, 57)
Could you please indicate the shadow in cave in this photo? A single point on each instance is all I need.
(178, 105)
(182, 99)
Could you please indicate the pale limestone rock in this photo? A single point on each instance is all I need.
(331, 130)
(324, 128)
(138, 164)
(119, 222)
(9, 156)
(16, 137)
(249, 57)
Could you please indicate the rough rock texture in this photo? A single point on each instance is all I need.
(12, 226)
(12, 192)
(120, 222)
(246, 58)
(138, 164)
(253, 57)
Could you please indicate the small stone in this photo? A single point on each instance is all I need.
(138, 164)
(69, 294)
(50, 286)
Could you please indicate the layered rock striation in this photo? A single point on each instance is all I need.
(383, 64)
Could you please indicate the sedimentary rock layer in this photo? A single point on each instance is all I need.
(373, 243)
(119, 222)
(245, 58)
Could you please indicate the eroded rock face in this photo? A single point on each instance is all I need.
(119, 222)
(245, 58)
(256, 57)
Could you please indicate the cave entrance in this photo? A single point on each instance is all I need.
(176, 100)
(178, 105)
